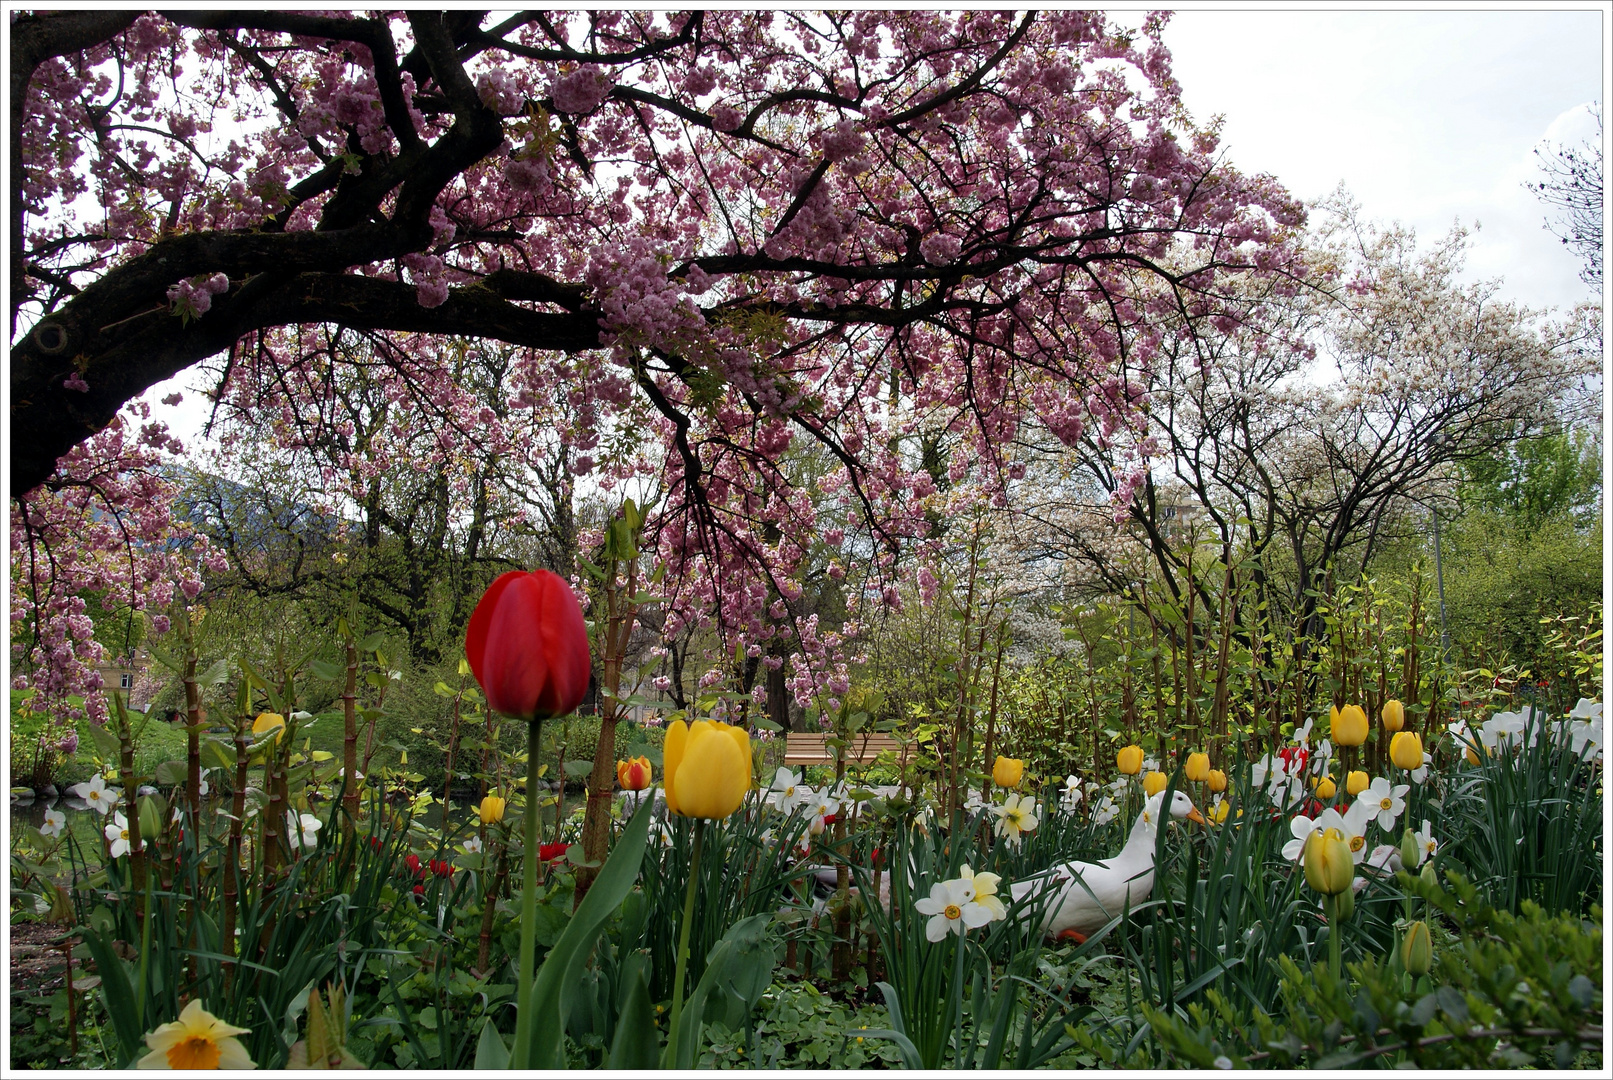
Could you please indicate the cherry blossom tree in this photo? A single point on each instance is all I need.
(711, 234)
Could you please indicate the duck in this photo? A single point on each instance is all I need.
(1090, 894)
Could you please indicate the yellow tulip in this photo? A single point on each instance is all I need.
(1219, 811)
(1198, 767)
(1417, 952)
(1329, 867)
(1349, 726)
(1007, 771)
(1394, 716)
(706, 768)
(1325, 787)
(491, 811)
(1154, 783)
(1130, 760)
(1217, 781)
(267, 722)
(1357, 782)
(1406, 750)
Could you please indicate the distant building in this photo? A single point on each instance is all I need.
(124, 673)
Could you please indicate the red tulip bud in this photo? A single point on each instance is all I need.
(528, 647)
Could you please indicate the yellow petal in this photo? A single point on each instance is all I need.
(672, 751)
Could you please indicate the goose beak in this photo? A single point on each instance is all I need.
(1194, 815)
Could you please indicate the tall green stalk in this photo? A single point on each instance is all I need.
(683, 939)
(529, 889)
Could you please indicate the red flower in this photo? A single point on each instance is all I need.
(441, 867)
(528, 647)
(420, 890)
(552, 852)
(413, 863)
(375, 843)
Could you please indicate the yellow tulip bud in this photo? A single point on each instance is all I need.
(1325, 787)
(706, 768)
(1154, 783)
(1130, 760)
(1329, 868)
(1349, 726)
(1411, 852)
(1406, 750)
(1217, 781)
(1394, 716)
(491, 811)
(1417, 951)
(1357, 782)
(1198, 767)
(1007, 771)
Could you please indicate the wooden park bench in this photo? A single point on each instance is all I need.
(810, 748)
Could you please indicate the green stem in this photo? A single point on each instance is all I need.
(1335, 931)
(683, 942)
(145, 956)
(529, 903)
(957, 1007)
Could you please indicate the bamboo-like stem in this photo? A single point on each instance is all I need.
(350, 743)
(682, 967)
(489, 904)
(232, 860)
(529, 889)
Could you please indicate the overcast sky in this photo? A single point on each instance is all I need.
(1427, 117)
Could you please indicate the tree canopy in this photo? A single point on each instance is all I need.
(707, 235)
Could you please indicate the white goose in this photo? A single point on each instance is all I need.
(1109, 887)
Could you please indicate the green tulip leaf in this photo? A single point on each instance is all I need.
(560, 976)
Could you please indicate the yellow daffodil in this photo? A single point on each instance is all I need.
(197, 1040)
(267, 722)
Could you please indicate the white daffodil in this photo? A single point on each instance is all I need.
(55, 823)
(1427, 846)
(787, 792)
(473, 845)
(952, 909)
(1260, 770)
(118, 833)
(1016, 815)
(1584, 728)
(1385, 801)
(203, 789)
(309, 827)
(1356, 819)
(1070, 795)
(1284, 791)
(1503, 731)
(1106, 811)
(974, 801)
(985, 891)
(820, 807)
(1149, 765)
(100, 798)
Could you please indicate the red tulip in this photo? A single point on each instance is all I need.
(552, 852)
(528, 647)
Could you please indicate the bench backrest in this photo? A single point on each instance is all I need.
(808, 748)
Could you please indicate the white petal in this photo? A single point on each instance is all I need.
(937, 928)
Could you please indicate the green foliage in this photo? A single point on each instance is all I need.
(1509, 991)
(1533, 481)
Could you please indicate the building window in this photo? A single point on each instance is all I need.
(125, 681)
